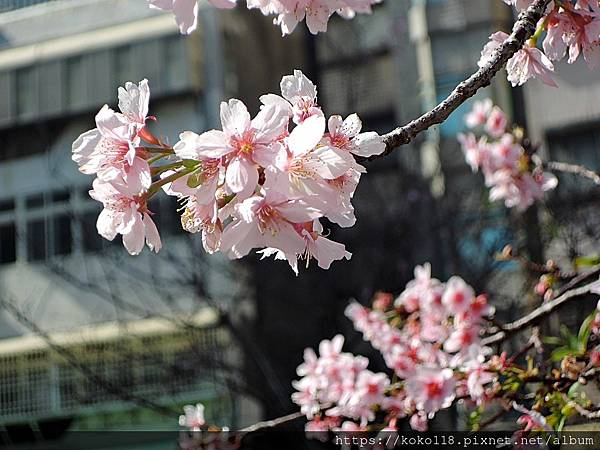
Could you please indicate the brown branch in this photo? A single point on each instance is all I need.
(272, 423)
(573, 169)
(540, 313)
(586, 413)
(576, 280)
(523, 29)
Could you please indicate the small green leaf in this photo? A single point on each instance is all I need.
(553, 340)
(573, 389)
(559, 353)
(195, 179)
(587, 261)
(561, 423)
(584, 332)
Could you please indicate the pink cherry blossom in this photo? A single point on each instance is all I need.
(111, 150)
(134, 101)
(298, 97)
(529, 62)
(186, 11)
(345, 135)
(532, 420)
(267, 220)
(431, 389)
(245, 143)
(504, 164)
(304, 169)
(477, 151)
(193, 417)
(418, 421)
(457, 296)
(496, 123)
(479, 114)
(288, 12)
(519, 4)
(126, 216)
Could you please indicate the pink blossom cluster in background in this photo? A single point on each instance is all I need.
(288, 13)
(429, 338)
(499, 154)
(572, 28)
(252, 184)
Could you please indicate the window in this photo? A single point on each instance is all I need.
(8, 232)
(76, 82)
(27, 91)
(356, 65)
(8, 247)
(36, 240)
(49, 230)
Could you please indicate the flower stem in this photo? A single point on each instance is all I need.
(155, 187)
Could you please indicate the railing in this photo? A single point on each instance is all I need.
(98, 375)
(9, 5)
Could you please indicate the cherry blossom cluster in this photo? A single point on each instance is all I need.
(508, 169)
(288, 13)
(430, 340)
(571, 27)
(430, 337)
(252, 184)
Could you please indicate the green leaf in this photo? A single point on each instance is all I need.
(553, 340)
(195, 179)
(587, 261)
(561, 423)
(584, 332)
(573, 389)
(559, 353)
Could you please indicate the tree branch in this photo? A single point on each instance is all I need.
(523, 29)
(574, 169)
(272, 423)
(541, 312)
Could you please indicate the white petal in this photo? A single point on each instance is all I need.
(368, 144)
(307, 135)
(235, 117)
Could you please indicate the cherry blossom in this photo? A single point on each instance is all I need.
(245, 143)
(529, 62)
(186, 11)
(431, 389)
(298, 97)
(288, 12)
(507, 169)
(268, 220)
(193, 417)
(345, 135)
(253, 184)
(480, 113)
(111, 152)
(127, 216)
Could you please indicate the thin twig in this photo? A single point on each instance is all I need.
(577, 280)
(523, 29)
(272, 423)
(574, 169)
(541, 312)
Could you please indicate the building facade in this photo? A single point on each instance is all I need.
(91, 338)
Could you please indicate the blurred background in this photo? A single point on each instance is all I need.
(93, 339)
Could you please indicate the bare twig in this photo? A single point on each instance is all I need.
(540, 313)
(577, 280)
(523, 29)
(272, 423)
(574, 169)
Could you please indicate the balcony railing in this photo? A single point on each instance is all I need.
(104, 369)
